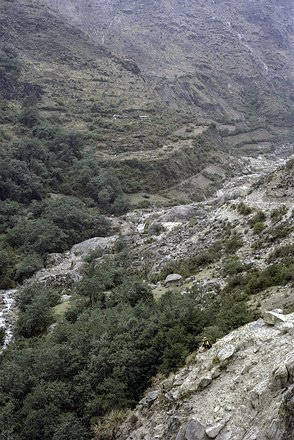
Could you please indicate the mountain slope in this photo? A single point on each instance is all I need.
(84, 86)
(81, 81)
(229, 61)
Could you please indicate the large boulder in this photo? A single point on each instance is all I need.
(182, 213)
(173, 279)
(273, 317)
(85, 247)
(226, 353)
(193, 430)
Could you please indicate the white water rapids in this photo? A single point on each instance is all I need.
(6, 310)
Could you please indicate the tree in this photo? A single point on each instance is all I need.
(69, 427)
(28, 266)
(37, 235)
(35, 319)
(6, 269)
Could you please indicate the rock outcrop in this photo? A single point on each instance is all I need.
(240, 389)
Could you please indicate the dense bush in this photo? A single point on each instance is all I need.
(258, 227)
(233, 243)
(35, 313)
(6, 269)
(278, 213)
(10, 70)
(244, 209)
(37, 235)
(30, 264)
(233, 267)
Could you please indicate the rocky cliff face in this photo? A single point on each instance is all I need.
(231, 61)
(240, 389)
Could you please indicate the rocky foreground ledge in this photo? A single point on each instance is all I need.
(240, 389)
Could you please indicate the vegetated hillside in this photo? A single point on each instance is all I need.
(78, 378)
(63, 152)
(81, 85)
(231, 61)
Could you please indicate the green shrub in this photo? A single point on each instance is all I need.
(29, 117)
(233, 267)
(278, 213)
(258, 227)
(233, 244)
(283, 253)
(259, 217)
(38, 236)
(281, 231)
(18, 182)
(28, 266)
(76, 220)
(244, 209)
(6, 269)
(10, 213)
(9, 65)
(35, 319)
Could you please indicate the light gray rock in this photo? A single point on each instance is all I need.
(183, 213)
(258, 394)
(149, 398)
(279, 377)
(213, 431)
(253, 434)
(290, 367)
(85, 247)
(193, 430)
(241, 402)
(272, 317)
(226, 353)
(272, 432)
(204, 382)
(173, 278)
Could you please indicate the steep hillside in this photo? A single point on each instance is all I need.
(240, 389)
(231, 61)
(81, 85)
(167, 278)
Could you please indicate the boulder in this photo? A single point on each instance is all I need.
(204, 382)
(149, 398)
(85, 247)
(182, 213)
(214, 430)
(279, 377)
(174, 279)
(193, 430)
(273, 317)
(226, 353)
(290, 367)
